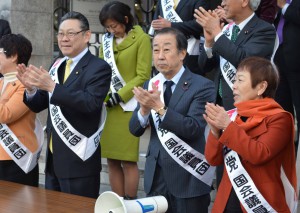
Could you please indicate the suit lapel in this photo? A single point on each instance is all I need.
(182, 86)
(180, 6)
(78, 69)
(247, 30)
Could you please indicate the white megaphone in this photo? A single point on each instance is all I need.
(110, 202)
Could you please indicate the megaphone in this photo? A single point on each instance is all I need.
(110, 202)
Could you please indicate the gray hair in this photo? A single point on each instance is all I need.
(254, 4)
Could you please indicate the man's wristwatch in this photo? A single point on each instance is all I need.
(161, 111)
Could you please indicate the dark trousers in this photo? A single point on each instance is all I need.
(84, 186)
(10, 171)
(288, 92)
(176, 204)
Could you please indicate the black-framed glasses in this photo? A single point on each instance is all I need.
(60, 35)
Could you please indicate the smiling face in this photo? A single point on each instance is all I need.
(167, 58)
(72, 46)
(243, 90)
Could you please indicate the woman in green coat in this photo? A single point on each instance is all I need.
(127, 48)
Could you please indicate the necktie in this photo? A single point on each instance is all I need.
(234, 35)
(280, 25)
(168, 92)
(175, 3)
(68, 69)
(67, 73)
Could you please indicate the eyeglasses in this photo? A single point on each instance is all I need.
(2, 50)
(60, 35)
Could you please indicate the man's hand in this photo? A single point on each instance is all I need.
(33, 77)
(210, 22)
(221, 14)
(148, 99)
(23, 77)
(160, 23)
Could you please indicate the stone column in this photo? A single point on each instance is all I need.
(34, 19)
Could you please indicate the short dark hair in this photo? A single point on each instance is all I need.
(117, 11)
(17, 44)
(181, 41)
(261, 69)
(84, 23)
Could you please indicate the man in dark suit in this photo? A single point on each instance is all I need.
(172, 103)
(73, 91)
(189, 27)
(225, 48)
(4, 28)
(254, 37)
(287, 57)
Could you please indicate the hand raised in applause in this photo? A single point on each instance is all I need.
(148, 99)
(33, 77)
(211, 24)
(217, 118)
(160, 23)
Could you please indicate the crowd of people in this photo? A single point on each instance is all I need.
(223, 103)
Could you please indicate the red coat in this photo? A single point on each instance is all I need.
(261, 150)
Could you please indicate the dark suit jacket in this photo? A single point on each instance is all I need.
(291, 32)
(256, 39)
(185, 9)
(184, 118)
(4, 28)
(80, 99)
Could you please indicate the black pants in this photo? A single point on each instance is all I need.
(288, 92)
(176, 204)
(88, 186)
(10, 171)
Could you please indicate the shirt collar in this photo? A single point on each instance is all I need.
(176, 78)
(243, 23)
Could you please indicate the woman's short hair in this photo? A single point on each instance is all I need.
(117, 11)
(261, 69)
(16, 44)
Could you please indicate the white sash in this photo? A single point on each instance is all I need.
(188, 158)
(170, 14)
(244, 187)
(117, 82)
(227, 69)
(81, 145)
(21, 155)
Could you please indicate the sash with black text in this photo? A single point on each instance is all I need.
(188, 158)
(81, 145)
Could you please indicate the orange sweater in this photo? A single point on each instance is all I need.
(18, 117)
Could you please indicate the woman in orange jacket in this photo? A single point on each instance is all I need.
(255, 142)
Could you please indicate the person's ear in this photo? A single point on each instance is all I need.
(126, 19)
(262, 86)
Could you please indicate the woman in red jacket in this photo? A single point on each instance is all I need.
(255, 142)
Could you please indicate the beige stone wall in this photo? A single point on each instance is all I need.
(34, 19)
